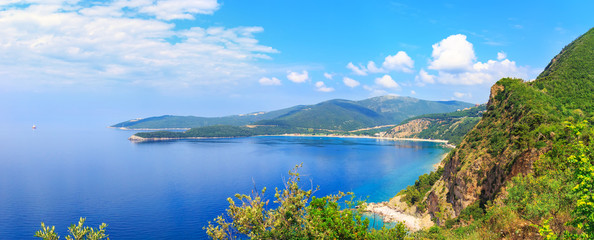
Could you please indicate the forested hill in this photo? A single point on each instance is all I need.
(524, 171)
(344, 115)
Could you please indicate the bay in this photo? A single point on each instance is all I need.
(170, 190)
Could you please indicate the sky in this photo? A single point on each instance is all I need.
(124, 59)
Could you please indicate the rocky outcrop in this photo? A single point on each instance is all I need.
(488, 157)
(407, 130)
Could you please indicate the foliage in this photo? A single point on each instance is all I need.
(541, 124)
(584, 189)
(230, 131)
(76, 232)
(298, 215)
(414, 194)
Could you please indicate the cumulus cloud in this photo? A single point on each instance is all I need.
(328, 76)
(412, 92)
(399, 62)
(387, 82)
(452, 54)
(488, 72)
(298, 77)
(424, 78)
(269, 81)
(455, 62)
(349, 82)
(372, 68)
(321, 86)
(361, 71)
(501, 56)
(122, 42)
(462, 95)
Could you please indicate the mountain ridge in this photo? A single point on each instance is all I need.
(335, 114)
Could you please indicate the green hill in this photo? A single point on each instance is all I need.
(169, 121)
(340, 115)
(513, 175)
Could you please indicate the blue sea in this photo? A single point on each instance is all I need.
(170, 190)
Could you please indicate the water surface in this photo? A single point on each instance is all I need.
(169, 190)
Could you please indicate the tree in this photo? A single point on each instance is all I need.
(584, 190)
(77, 232)
(299, 215)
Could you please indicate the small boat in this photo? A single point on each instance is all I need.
(34, 127)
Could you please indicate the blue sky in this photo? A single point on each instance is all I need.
(124, 59)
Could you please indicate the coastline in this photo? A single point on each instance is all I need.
(395, 210)
(135, 138)
(149, 129)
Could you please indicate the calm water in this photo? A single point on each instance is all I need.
(169, 190)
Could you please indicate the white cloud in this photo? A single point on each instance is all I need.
(452, 54)
(177, 9)
(96, 43)
(462, 95)
(372, 68)
(399, 62)
(361, 71)
(454, 60)
(412, 92)
(488, 72)
(320, 86)
(349, 82)
(298, 78)
(501, 56)
(374, 91)
(424, 78)
(387, 82)
(328, 76)
(269, 81)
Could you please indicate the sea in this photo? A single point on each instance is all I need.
(60, 172)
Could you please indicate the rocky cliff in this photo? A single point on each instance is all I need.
(516, 130)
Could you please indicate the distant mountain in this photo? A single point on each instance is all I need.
(172, 122)
(338, 114)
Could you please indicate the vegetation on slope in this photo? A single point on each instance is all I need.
(169, 121)
(447, 126)
(524, 171)
(341, 115)
(229, 131)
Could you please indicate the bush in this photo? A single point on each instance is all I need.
(299, 215)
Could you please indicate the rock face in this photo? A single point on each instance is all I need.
(487, 158)
(408, 129)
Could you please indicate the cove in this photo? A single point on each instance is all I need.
(170, 190)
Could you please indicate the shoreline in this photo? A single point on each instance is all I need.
(135, 138)
(148, 129)
(391, 214)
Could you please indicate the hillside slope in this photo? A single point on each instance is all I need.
(447, 126)
(510, 173)
(340, 115)
(170, 121)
